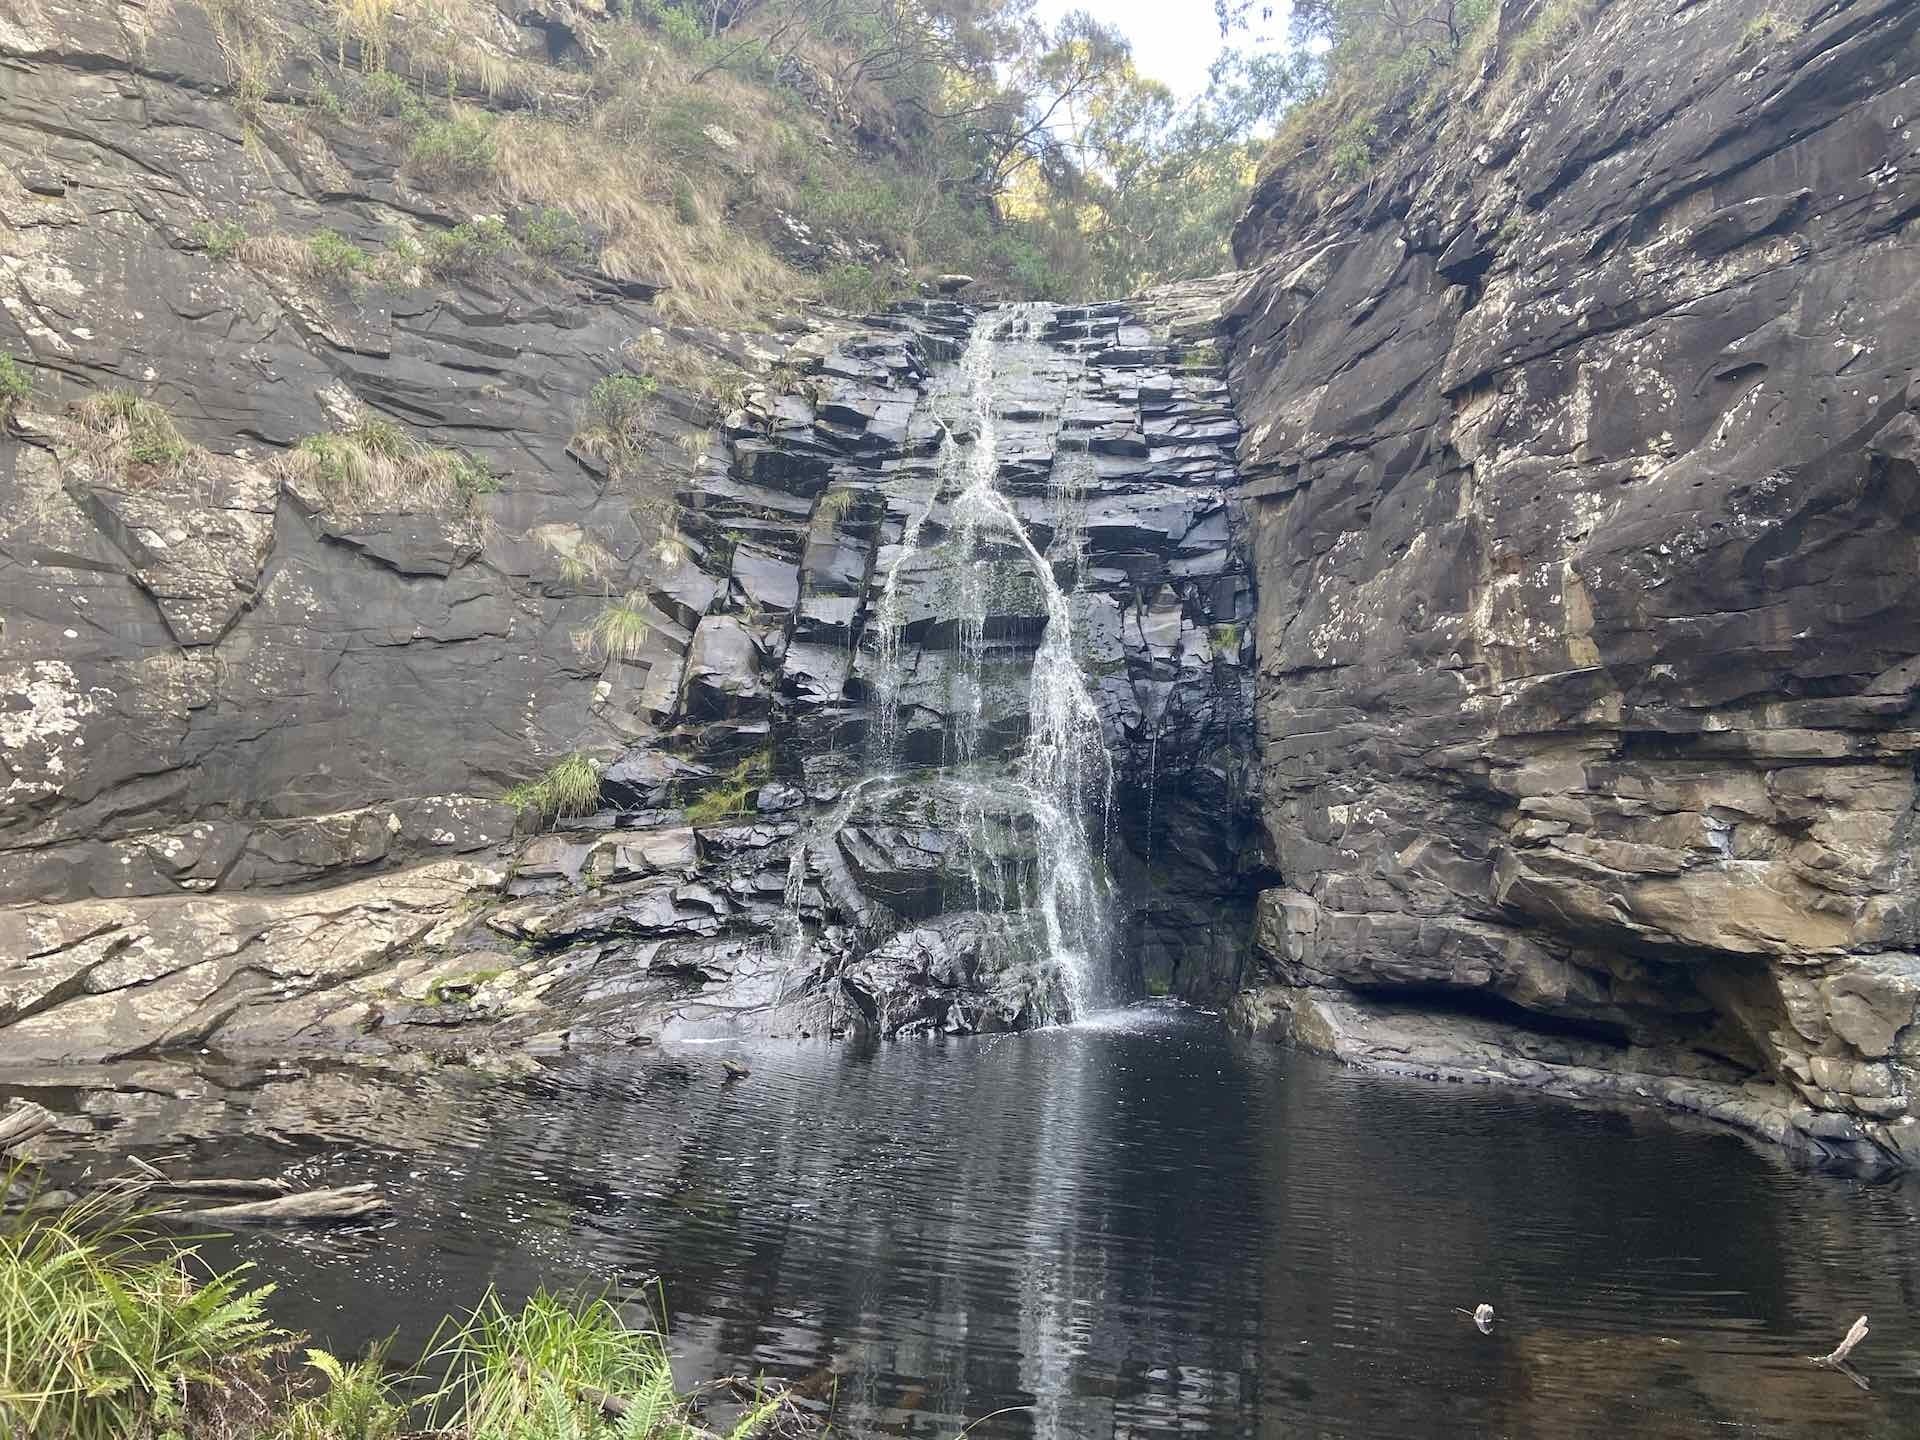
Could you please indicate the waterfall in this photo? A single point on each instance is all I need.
(1063, 773)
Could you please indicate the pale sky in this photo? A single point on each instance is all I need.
(1174, 41)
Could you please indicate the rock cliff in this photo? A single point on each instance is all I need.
(326, 535)
(1581, 454)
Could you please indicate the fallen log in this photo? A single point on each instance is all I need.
(23, 1122)
(348, 1202)
(265, 1189)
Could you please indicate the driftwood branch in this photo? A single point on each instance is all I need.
(23, 1122)
(1840, 1352)
(266, 1189)
(348, 1202)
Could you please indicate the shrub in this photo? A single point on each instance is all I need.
(555, 236)
(859, 289)
(106, 1331)
(221, 239)
(456, 152)
(567, 791)
(729, 795)
(331, 256)
(133, 429)
(474, 247)
(384, 93)
(616, 410)
(16, 386)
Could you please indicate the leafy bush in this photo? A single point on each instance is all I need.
(382, 92)
(555, 236)
(616, 412)
(221, 239)
(458, 152)
(16, 386)
(567, 791)
(331, 256)
(473, 247)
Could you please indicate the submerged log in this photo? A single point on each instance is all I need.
(348, 1202)
(23, 1122)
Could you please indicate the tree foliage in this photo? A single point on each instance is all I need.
(1035, 154)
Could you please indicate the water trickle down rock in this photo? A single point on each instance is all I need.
(957, 701)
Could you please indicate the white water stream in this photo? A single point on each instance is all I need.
(1064, 773)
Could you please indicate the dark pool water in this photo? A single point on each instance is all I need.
(1137, 1226)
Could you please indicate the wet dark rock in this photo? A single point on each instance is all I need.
(1586, 665)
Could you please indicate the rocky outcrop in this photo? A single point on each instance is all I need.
(1580, 451)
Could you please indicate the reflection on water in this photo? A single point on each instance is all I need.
(1134, 1226)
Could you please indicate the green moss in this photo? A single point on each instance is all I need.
(1768, 29)
(452, 986)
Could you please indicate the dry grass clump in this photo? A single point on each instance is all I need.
(712, 271)
(374, 466)
(117, 428)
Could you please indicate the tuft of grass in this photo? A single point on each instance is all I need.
(728, 796)
(580, 558)
(567, 791)
(540, 1372)
(836, 502)
(16, 386)
(458, 153)
(133, 429)
(621, 629)
(108, 1331)
(374, 466)
(221, 239)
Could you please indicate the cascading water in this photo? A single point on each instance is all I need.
(1063, 772)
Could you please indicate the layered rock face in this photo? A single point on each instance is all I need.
(1581, 451)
